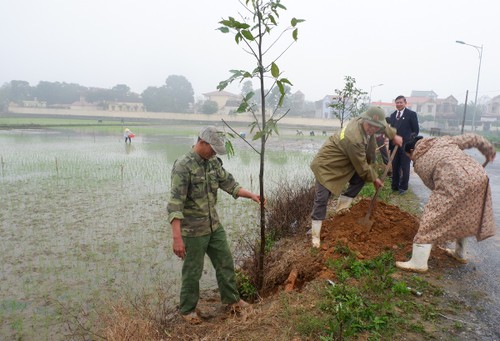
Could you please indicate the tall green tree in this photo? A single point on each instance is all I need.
(256, 33)
(99, 95)
(348, 102)
(209, 107)
(155, 99)
(122, 93)
(275, 95)
(4, 96)
(179, 94)
(20, 91)
(297, 104)
(247, 88)
(58, 93)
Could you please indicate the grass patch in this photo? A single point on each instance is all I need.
(366, 301)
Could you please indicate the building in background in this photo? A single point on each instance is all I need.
(226, 102)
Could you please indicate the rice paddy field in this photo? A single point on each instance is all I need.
(83, 218)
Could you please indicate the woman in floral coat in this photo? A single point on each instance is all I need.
(460, 203)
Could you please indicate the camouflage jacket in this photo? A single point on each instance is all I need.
(193, 194)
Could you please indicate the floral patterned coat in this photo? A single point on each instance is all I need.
(460, 204)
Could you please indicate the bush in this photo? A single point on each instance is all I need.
(209, 107)
(290, 206)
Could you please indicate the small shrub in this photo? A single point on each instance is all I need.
(400, 288)
(246, 289)
(289, 208)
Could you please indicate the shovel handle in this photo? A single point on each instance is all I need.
(372, 204)
(386, 170)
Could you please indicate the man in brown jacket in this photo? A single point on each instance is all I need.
(346, 157)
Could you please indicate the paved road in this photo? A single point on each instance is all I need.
(478, 282)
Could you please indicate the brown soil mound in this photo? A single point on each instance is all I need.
(392, 230)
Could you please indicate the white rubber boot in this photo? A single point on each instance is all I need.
(459, 252)
(316, 233)
(343, 204)
(419, 258)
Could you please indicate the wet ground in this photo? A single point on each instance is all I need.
(478, 282)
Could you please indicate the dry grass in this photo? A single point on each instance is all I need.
(126, 324)
(290, 205)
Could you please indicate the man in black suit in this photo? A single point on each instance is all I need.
(406, 123)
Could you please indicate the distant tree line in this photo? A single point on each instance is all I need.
(176, 95)
(295, 103)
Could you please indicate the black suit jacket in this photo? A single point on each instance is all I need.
(407, 125)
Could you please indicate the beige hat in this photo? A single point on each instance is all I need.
(215, 138)
(374, 116)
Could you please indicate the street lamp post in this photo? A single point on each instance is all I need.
(480, 51)
(371, 89)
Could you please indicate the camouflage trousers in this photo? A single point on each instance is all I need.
(216, 247)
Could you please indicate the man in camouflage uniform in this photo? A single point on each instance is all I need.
(346, 157)
(196, 228)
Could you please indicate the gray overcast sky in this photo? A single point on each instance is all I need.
(406, 45)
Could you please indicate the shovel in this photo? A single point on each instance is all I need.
(366, 220)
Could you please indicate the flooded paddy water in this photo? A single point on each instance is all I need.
(83, 220)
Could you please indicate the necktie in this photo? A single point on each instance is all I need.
(398, 116)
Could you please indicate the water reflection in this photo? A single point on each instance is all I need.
(129, 148)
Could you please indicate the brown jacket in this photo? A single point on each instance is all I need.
(347, 151)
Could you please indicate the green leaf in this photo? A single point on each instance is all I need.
(236, 73)
(229, 149)
(252, 126)
(226, 23)
(223, 29)
(242, 108)
(273, 126)
(237, 38)
(257, 136)
(296, 21)
(271, 17)
(247, 34)
(282, 92)
(275, 71)
(280, 102)
(249, 96)
(286, 81)
(281, 87)
(295, 34)
(241, 26)
(222, 85)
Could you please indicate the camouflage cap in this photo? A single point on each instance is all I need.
(374, 116)
(215, 138)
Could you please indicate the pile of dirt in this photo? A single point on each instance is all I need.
(392, 230)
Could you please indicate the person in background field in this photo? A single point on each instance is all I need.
(196, 228)
(127, 134)
(406, 123)
(460, 204)
(347, 157)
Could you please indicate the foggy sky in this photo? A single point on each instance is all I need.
(406, 45)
